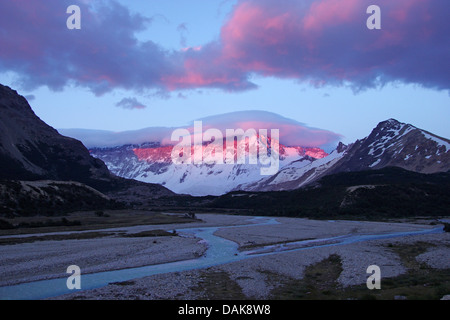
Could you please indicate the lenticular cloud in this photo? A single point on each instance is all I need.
(322, 42)
(292, 133)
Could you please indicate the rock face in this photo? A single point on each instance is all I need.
(390, 144)
(31, 150)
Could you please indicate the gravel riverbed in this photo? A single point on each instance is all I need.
(49, 259)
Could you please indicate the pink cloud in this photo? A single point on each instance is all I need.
(325, 14)
(327, 42)
(323, 42)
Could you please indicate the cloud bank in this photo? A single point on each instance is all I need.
(322, 42)
(292, 133)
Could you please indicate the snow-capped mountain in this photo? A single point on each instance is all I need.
(391, 143)
(146, 155)
(397, 144)
(297, 173)
(152, 162)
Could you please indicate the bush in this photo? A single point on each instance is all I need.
(49, 223)
(446, 227)
(99, 213)
(5, 225)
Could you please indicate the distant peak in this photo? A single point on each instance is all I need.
(341, 147)
(393, 120)
(390, 124)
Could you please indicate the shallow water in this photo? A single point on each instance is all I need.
(219, 251)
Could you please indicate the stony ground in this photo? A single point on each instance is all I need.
(254, 278)
(257, 278)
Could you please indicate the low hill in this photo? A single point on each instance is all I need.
(390, 192)
(29, 198)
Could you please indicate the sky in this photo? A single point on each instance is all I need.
(137, 64)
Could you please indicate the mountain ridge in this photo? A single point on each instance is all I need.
(31, 150)
(153, 163)
(390, 144)
(386, 193)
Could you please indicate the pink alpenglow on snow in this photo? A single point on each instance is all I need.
(213, 146)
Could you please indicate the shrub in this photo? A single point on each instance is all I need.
(5, 225)
(99, 213)
(446, 227)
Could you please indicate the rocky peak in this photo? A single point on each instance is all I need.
(31, 149)
(393, 143)
(390, 144)
(341, 147)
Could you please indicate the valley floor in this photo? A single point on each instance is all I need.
(419, 262)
